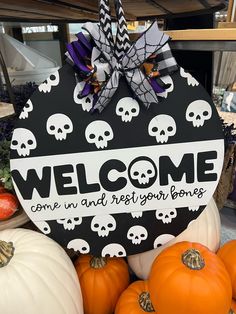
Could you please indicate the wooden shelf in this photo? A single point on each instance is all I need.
(6, 110)
(222, 34)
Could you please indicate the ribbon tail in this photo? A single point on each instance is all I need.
(122, 36)
(108, 90)
(141, 87)
(105, 19)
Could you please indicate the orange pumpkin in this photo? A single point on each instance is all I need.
(102, 280)
(227, 253)
(135, 299)
(189, 278)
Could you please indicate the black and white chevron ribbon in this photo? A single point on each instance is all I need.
(105, 19)
(122, 36)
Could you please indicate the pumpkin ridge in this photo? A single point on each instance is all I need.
(44, 282)
(17, 253)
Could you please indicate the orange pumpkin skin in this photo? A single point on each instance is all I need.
(101, 286)
(135, 300)
(227, 253)
(175, 288)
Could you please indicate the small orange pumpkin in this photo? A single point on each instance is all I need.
(135, 299)
(227, 253)
(102, 280)
(189, 278)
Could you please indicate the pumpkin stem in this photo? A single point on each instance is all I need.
(98, 262)
(145, 302)
(6, 252)
(193, 259)
(231, 311)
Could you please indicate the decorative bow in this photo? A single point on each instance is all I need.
(101, 66)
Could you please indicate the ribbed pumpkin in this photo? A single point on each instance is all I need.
(227, 253)
(189, 278)
(135, 300)
(102, 281)
(36, 276)
(205, 230)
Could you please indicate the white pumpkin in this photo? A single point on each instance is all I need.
(205, 230)
(36, 275)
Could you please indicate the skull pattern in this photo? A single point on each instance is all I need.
(113, 250)
(79, 245)
(162, 127)
(53, 80)
(99, 133)
(103, 225)
(136, 214)
(26, 109)
(162, 239)
(127, 108)
(166, 215)
(86, 102)
(198, 112)
(70, 223)
(137, 234)
(59, 125)
(43, 226)
(23, 141)
(190, 79)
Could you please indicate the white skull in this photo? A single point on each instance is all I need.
(137, 234)
(43, 226)
(137, 214)
(127, 108)
(167, 80)
(198, 112)
(23, 140)
(162, 127)
(53, 80)
(190, 79)
(99, 133)
(79, 245)
(166, 215)
(143, 171)
(27, 108)
(113, 249)
(59, 125)
(87, 101)
(162, 239)
(70, 223)
(193, 208)
(103, 225)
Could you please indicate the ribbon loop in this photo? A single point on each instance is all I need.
(101, 63)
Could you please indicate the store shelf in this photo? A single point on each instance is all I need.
(203, 34)
(219, 39)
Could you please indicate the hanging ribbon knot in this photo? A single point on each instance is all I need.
(140, 63)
